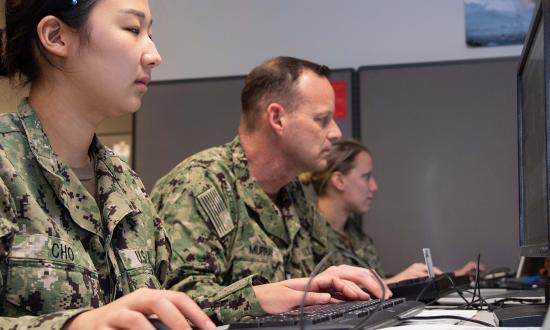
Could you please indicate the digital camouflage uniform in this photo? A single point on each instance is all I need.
(227, 234)
(61, 253)
(356, 242)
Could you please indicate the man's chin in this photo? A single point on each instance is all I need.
(320, 165)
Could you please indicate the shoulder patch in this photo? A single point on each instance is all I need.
(214, 208)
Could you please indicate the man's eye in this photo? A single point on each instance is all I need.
(324, 121)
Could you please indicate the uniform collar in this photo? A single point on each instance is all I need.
(282, 223)
(66, 185)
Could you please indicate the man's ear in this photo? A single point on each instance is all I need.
(55, 36)
(337, 180)
(276, 117)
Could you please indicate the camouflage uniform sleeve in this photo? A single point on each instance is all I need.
(201, 228)
(55, 320)
(319, 234)
(7, 228)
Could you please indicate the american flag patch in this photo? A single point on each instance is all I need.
(216, 211)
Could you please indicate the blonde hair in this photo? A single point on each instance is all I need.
(340, 159)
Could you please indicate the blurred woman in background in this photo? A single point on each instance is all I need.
(345, 189)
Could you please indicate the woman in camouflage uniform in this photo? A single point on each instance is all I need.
(77, 232)
(345, 189)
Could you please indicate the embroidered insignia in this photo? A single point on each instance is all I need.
(216, 211)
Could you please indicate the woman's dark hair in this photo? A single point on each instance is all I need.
(22, 45)
(340, 159)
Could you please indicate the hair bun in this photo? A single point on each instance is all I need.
(305, 178)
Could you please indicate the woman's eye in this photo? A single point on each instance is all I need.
(133, 30)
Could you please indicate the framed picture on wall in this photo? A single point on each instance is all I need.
(497, 22)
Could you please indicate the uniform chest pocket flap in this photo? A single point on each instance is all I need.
(47, 274)
(258, 259)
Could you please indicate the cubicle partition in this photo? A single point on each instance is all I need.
(181, 117)
(443, 137)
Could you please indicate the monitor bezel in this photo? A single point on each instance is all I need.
(539, 17)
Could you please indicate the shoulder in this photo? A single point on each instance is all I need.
(119, 171)
(299, 199)
(11, 131)
(9, 123)
(198, 171)
(14, 144)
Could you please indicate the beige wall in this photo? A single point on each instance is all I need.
(10, 96)
(112, 132)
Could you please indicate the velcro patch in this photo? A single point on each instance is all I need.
(214, 208)
(134, 258)
(44, 247)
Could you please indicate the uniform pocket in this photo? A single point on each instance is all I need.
(258, 259)
(47, 274)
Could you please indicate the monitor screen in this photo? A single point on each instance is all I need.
(533, 143)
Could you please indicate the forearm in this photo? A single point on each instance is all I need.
(56, 320)
(223, 304)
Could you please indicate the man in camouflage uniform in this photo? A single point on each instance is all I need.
(237, 214)
(61, 252)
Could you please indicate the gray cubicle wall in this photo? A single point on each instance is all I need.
(443, 137)
(179, 118)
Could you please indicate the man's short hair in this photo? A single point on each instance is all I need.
(274, 81)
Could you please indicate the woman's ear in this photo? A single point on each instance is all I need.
(55, 36)
(337, 180)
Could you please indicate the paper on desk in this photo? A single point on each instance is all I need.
(440, 324)
(442, 312)
(450, 327)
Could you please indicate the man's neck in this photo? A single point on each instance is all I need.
(266, 162)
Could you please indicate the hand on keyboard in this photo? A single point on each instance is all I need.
(325, 288)
(362, 277)
(132, 310)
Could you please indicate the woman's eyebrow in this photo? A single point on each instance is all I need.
(139, 14)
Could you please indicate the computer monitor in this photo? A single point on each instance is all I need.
(533, 136)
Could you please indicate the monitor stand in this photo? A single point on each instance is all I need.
(524, 315)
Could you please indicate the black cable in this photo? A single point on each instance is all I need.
(477, 302)
(501, 302)
(457, 289)
(454, 317)
(429, 284)
(380, 282)
(437, 279)
(308, 285)
(476, 285)
(476, 294)
(319, 266)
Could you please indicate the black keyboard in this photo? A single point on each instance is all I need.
(427, 289)
(344, 315)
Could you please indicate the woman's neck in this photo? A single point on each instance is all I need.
(66, 122)
(334, 213)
